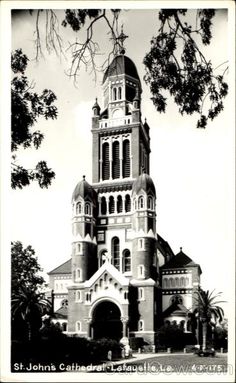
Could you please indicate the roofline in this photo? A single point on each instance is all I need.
(53, 270)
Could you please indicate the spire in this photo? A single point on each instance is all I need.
(121, 38)
(96, 108)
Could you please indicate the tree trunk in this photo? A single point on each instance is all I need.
(29, 331)
(204, 335)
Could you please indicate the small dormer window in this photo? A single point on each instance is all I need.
(141, 202)
(150, 203)
(78, 208)
(87, 209)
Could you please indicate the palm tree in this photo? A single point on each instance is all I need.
(29, 305)
(207, 310)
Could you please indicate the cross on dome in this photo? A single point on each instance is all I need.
(121, 38)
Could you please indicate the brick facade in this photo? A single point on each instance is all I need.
(115, 247)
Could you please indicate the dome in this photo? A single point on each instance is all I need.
(143, 182)
(121, 65)
(84, 190)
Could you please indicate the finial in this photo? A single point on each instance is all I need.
(84, 178)
(181, 248)
(122, 38)
(145, 120)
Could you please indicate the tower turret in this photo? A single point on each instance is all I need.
(144, 243)
(84, 207)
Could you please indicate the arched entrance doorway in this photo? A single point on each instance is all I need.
(106, 321)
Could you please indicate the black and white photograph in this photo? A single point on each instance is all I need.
(118, 191)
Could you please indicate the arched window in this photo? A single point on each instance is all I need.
(115, 246)
(172, 282)
(105, 161)
(103, 206)
(140, 271)
(111, 205)
(127, 203)
(140, 325)
(140, 293)
(176, 282)
(119, 204)
(78, 326)
(116, 160)
(78, 296)
(78, 274)
(127, 260)
(87, 209)
(141, 202)
(88, 297)
(114, 94)
(150, 203)
(119, 93)
(186, 281)
(78, 208)
(182, 284)
(103, 257)
(126, 158)
(64, 326)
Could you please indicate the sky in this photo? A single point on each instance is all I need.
(193, 169)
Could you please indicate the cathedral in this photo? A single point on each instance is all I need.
(123, 279)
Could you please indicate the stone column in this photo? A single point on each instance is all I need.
(124, 321)
(90, 328)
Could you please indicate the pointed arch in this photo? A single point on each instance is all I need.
(141, 202)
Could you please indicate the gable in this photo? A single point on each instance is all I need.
(107, 272)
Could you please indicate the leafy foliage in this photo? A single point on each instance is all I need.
(30, 306)
(76, 18)
(176, 64)
(207, 306)
(27, 107)
(24, 268)
(208, 311)
(27, 303)
(172, 335)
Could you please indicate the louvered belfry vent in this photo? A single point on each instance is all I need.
(126, 159)
(105, 162)
(116, 160)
